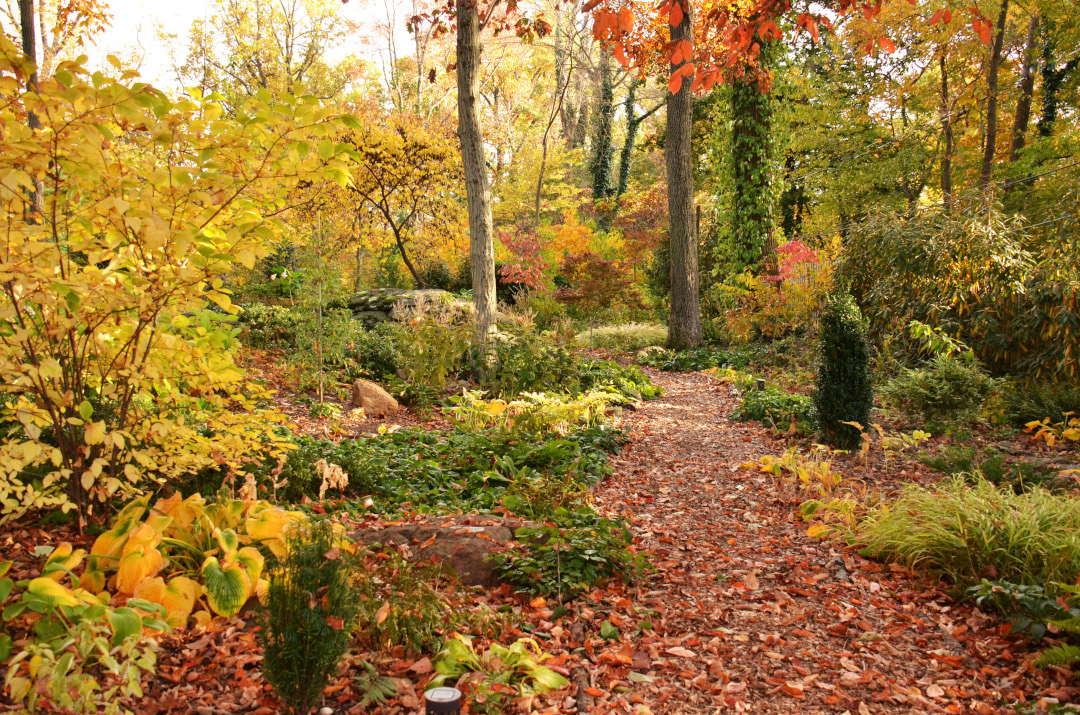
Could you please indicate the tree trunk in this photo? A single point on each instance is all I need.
(633, 122)
(947, 130)
(992, 98)
(477, 190)
(684, 325)
(753, 227)
(602, 152)
(1027, 88)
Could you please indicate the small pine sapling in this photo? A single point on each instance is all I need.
(844, 390)
(312, 607)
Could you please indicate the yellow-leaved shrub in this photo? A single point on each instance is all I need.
(122, 214)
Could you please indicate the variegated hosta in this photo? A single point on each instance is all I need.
(177, 553)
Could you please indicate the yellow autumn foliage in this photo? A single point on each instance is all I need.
(122, 214)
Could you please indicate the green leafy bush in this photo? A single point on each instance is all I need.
(693, 360)
(525, 363)
(1027, 403)
(965, 530)
(777, 409)
(322, 410)
(628, 381)
(993, 466)
(312, 607)
(403, 607)
(570, 554)
(433, 470)
(623, 338)
(945, 389)
(971, 271)
(844, 392)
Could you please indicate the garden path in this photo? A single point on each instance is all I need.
(753, 615)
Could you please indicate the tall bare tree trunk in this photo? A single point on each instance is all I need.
(947, 129)
(477, 190)
(1027, 89)
(684, 325)
(992, 98)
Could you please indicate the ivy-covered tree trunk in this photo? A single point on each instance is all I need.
(753, 228)
(477, 190)
(1053, 76)
(602, 152)
(684, 324)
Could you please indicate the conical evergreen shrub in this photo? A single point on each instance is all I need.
(845, 391)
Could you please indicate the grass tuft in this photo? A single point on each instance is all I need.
(966, 529)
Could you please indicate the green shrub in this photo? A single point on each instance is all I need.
(321, 410)
(1018, 476)
(946, 389)
(570, 554)
(623, 338)
(1028, 403)
(628, 381)
(777, 409)
(404, 608)
(433, 349)
(694, 360)
(844, 392)
(966, 531)
(312, 607)
(525, 363)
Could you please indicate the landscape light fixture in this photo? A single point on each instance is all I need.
(440, 701)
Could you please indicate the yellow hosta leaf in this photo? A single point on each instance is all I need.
(184, 512)
(53, 592)
(253, 562)
(268, 526)
(62, 560)
(178, 597)
(203, 619)
(138, 563)
(817, 530)
(226, 586)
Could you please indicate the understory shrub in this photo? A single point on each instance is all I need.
(623, 338)
(525, 363)
(844, 392)
(569, 554)
(1027, 403)
(778, 409)
(312, 607)
(979, 276)
(968, 529)
(694, 360)
(946, 389)
(628, 381)
(441, 471)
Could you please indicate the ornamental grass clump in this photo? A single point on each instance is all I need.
(966, 529)
(312, 607)
(844, 392)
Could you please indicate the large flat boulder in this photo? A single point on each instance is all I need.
(460, 543)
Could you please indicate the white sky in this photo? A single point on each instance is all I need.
(136, 24)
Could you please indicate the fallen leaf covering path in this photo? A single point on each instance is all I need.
(750, 614)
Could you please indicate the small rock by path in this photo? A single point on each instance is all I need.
(751, 615)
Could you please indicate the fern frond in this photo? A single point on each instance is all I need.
(1069, 625)
(1062, 655)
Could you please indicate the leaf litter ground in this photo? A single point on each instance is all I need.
(744, 612)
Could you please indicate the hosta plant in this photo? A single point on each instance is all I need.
(180, 554)
(493, 677)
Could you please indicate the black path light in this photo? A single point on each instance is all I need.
(439, 701)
